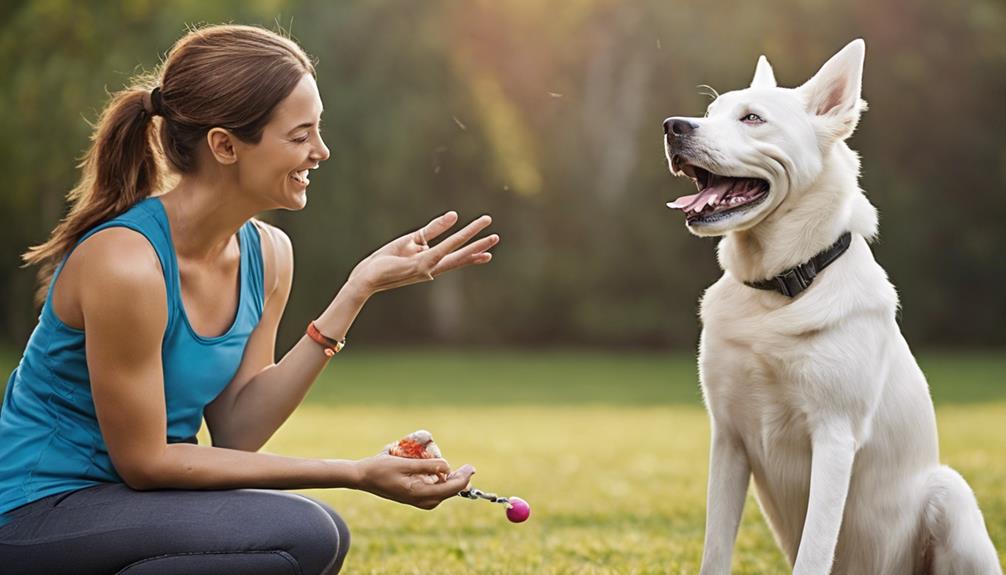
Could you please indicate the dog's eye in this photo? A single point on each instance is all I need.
(752, 119)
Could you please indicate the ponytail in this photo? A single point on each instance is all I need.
(119, 170)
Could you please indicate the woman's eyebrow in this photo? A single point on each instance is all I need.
(304, 125)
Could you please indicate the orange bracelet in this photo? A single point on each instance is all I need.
(332, 346)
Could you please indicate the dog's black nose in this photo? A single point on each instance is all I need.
(678, 126)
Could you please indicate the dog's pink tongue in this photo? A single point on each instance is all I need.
(698, 202)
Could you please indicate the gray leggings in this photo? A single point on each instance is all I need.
(110, 528)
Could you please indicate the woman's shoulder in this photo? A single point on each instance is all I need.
(121, 294)
(116, 267)
(120, 253)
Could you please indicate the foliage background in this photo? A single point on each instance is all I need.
(548, 116)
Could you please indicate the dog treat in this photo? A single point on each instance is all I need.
(420, 445)
(416, 445)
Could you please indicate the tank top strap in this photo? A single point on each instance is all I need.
(251, 253)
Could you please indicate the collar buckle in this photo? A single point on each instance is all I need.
(795, 280)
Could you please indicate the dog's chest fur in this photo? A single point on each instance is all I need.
(772, 370)
(754, 373)
(768, 362)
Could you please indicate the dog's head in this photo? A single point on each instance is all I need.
(763, 146)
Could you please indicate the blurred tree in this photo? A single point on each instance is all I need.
(548, 116)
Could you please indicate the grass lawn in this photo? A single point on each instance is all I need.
(609, 448)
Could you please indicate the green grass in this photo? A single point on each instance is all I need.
(613, 489)
(430, 377)
(577, 377)
(609, 448)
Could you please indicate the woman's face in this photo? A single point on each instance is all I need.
(276, 169)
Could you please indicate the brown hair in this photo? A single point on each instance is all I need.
(227, 76)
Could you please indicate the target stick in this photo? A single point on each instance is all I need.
(517, 510)
(420, 445)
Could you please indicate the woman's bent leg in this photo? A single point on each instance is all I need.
(342, 528)
(113, 529)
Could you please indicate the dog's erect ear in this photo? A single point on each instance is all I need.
(764, 76)
(834, 92)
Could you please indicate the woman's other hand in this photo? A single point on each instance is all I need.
(410, 259)
(422, 483)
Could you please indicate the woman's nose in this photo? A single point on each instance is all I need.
(320, 153)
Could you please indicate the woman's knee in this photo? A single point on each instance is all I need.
(313, 533)
(267, 520)
(343, 533)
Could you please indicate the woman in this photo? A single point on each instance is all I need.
(160, 311)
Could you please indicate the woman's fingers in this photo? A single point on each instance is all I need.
(473, 253)
(409, 259)
(437, 226)
(456, 482)
(440, 467)
(426, 466)
(460, 238)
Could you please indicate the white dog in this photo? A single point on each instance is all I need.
(809, 383)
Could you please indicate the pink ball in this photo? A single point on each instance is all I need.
(518, 511)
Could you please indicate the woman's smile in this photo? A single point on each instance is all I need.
(300, 178)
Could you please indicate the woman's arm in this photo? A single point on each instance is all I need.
(263, 395)
(123, 301)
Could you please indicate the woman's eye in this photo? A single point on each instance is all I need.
(301, 139)
(752, 119)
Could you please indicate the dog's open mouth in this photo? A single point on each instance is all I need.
(718, 195)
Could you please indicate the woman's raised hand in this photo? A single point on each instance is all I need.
(410, 259)
(422, 483)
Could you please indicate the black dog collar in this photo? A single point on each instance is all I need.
(794, 280)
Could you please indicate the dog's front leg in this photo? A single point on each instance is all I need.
(729, 473)
(833, 451)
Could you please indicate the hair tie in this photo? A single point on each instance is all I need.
(152, 104)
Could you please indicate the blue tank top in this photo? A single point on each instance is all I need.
(50, 441)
